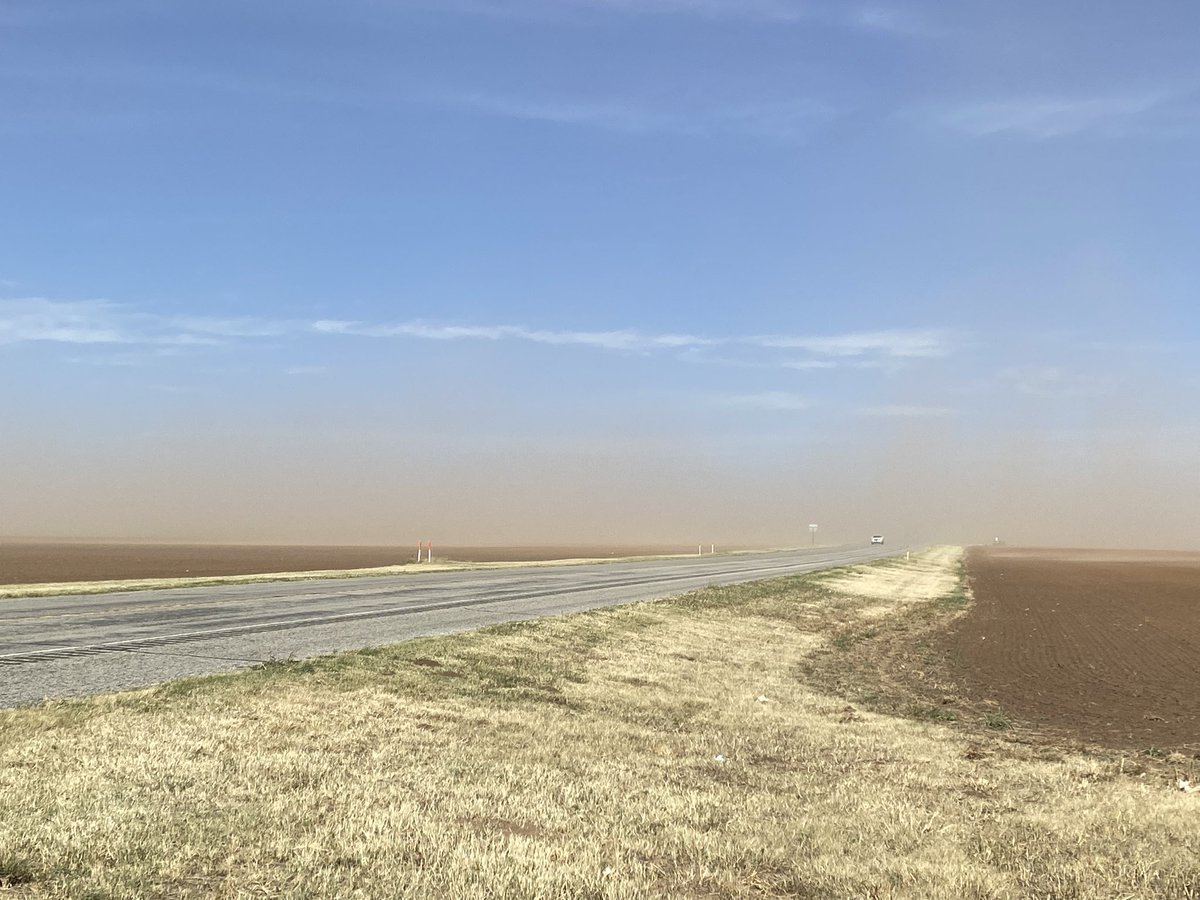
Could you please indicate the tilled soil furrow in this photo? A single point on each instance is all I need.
(1106, 650)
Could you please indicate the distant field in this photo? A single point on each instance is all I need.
(1098, 646)
(27, 562)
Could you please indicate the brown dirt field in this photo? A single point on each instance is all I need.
(30, 562)
(1101, 647)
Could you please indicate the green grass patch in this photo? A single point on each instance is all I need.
(930, 713)
(997, 721)
(16, 871)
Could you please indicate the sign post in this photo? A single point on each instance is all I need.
(812, 535)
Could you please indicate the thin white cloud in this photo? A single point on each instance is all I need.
(608, 116)
(910, 412)
(104, 323)
(1046, 118)
(808, 364)
(874, 17)
(890, 20)
(769, 11)
(784, 120)
(898, 343)
(1142, 346)
(237, 327)
(138, 357)
(1054, 382)
(779, 401)
(764, 10)
(787, 120)
(891, 348)
(305, 370)
(114, 360)
(38, 319)
(607, 340)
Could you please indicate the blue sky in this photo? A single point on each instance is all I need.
(587, 269)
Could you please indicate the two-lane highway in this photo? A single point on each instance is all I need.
(71, 645)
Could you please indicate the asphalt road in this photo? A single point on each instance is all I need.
(73, 645)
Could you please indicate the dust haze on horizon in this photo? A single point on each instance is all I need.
(1126, 483)
(543, 273)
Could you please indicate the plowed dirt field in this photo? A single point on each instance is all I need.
(1100, 647)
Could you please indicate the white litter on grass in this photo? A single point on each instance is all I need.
(719, 758)
(761, 699)
(1187, 787)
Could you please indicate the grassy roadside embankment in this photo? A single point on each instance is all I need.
(676, 748)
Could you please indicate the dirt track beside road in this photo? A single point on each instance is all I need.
(29, 562)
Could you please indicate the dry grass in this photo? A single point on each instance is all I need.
(926, 576)
(663, 749)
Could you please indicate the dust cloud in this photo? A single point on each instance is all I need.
(940, 480)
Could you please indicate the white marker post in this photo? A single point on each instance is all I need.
(812, 535)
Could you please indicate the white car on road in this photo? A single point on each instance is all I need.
(877, 539)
